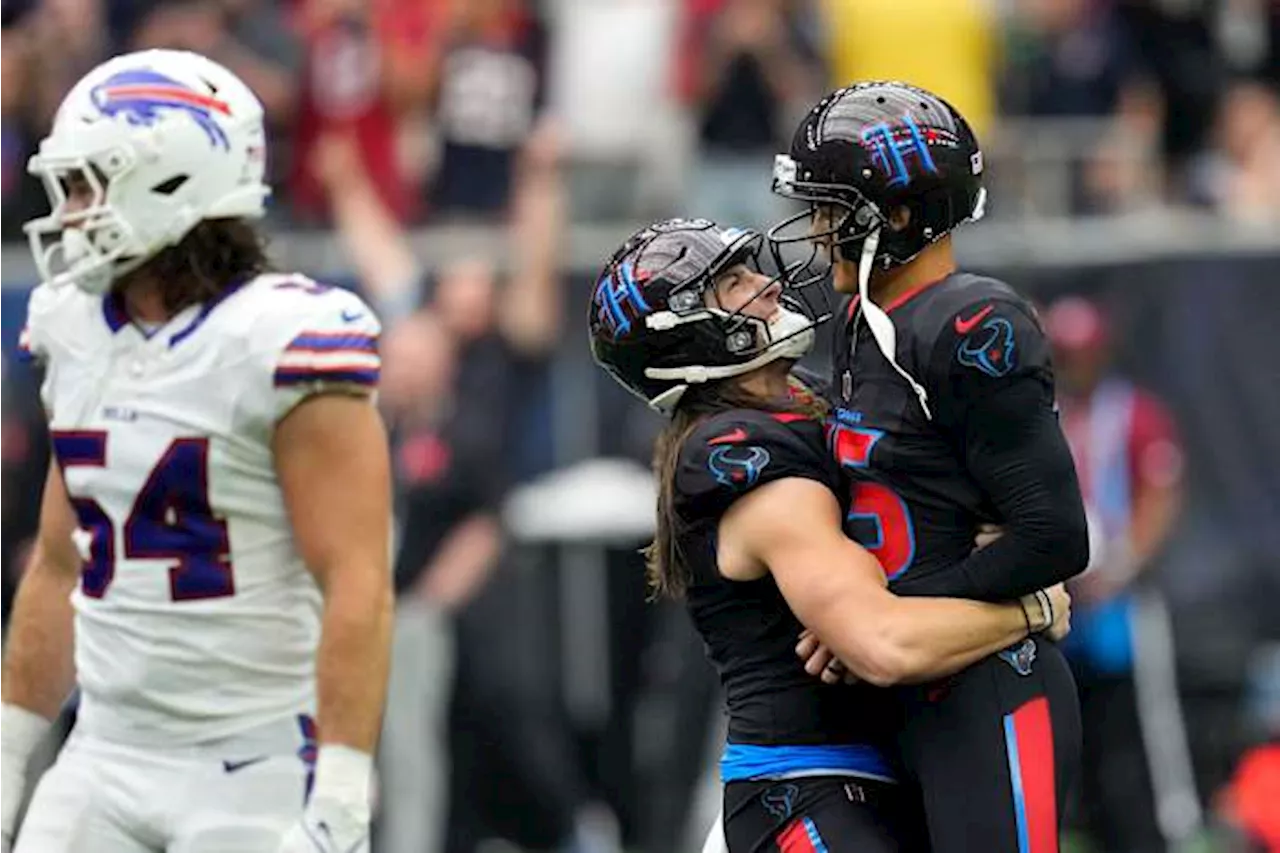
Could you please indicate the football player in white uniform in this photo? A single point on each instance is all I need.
(215, 525)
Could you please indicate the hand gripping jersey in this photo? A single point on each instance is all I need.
(749, 631)
(195, 616)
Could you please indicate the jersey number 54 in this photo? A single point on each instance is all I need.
(171, 519)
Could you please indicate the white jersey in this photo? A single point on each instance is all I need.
(195, 617)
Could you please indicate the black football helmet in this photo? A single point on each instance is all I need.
(868, 149)
(656, 332)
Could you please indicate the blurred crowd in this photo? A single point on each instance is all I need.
(536, 696)
(1094, 105)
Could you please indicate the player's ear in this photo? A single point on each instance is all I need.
(900, 218)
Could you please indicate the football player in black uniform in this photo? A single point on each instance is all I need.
(944, 420)
(749, 533)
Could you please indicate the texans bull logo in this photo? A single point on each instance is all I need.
(1020, 657)
(990, 348)
(141, 96)
(738, 467)
(780, 800)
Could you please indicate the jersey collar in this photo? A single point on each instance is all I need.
(905, 297)
(116, 317)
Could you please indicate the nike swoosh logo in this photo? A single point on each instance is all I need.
(964, 327)
(351, 316)
(737, 435)
(233, 766)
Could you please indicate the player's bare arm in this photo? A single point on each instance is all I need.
(792, 528)
(332, 461)
(38, 667)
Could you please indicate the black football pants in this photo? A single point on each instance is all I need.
(822, 814)
(995, 750)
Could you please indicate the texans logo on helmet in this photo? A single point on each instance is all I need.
(141, 96)
(990, 348)
(892, 146)
(618, 300)
(738, 467)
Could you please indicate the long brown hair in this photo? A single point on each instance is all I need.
(213, 256)
(665, 566)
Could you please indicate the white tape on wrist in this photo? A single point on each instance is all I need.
(1046, 606)
(21, 731)
(1038, 610)
(344, 775)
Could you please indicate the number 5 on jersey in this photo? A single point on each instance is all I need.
(878, 519)
(171, 518)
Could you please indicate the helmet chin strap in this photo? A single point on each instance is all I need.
(882, 328)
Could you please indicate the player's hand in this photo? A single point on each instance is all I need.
(13, 781)
(10, 789)
(821, 662)
(987, 534)
(327, 826)
(336, 819)
(1060, 599)
(20, 733)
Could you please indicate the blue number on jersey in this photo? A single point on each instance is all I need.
(171, 518)
(89, 447)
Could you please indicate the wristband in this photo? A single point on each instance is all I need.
(1040, 602)
(1046, 605)
(344, 775)
(20, 731)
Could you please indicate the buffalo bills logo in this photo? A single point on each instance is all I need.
(989, 348)
(737, 467)
(1021, 656)
(142, 97)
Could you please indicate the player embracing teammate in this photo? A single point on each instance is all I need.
(944, 420)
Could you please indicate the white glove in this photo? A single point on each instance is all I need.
(20, 733)
(336, 819)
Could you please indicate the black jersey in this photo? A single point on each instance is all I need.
(984, 446)
(749, 631)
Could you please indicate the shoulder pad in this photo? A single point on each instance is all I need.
(307, 337)
(978, 323)
(736, 451)
(57, 319)
(951, 306)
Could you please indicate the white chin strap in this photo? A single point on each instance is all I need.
(791, 334)
(882, 328)
(84, 265)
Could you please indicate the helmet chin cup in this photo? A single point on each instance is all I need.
(791, 334)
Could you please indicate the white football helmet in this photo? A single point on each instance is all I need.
(163, 139)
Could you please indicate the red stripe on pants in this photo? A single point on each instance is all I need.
(795, 838)
(1034, 731)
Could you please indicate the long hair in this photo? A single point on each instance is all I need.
(666, 569)
(212, 257)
